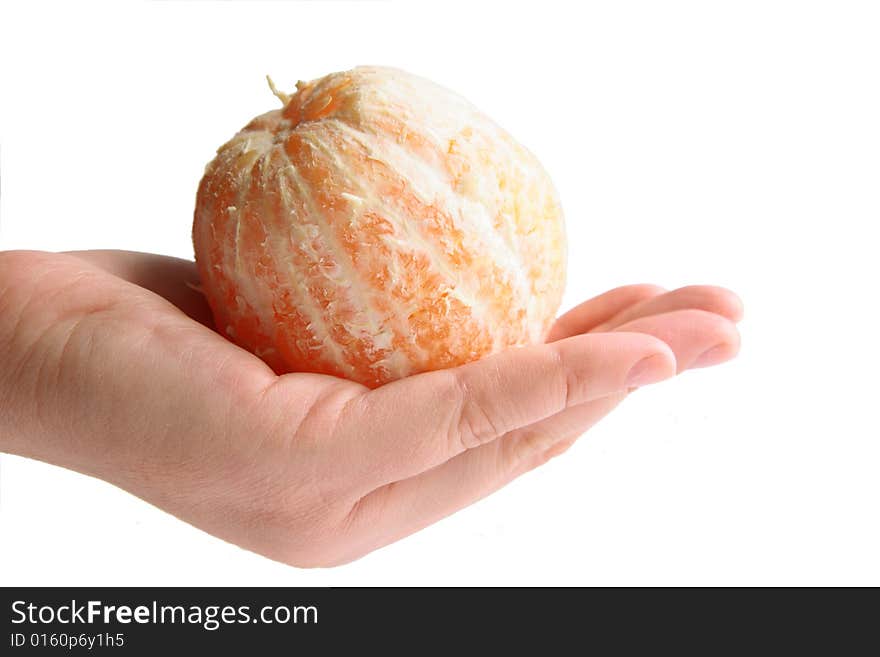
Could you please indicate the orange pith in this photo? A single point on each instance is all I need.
(375, 227)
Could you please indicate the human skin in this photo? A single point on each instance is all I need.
(111, 367)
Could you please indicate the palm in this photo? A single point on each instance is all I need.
(641, 308)
(189, 421)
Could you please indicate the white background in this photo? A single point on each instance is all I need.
(735, 143)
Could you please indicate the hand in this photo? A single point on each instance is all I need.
(111, 367)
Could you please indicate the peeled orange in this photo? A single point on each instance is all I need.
(376, 226)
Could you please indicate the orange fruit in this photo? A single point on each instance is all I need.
(376, 226)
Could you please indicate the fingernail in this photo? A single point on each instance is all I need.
(713, 356)
(648, 370)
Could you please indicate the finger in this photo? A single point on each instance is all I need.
(589, 314)
(697, 338)
(688, 334)
(712, 299)
(704, 333)
(398, 509)
(401, 508)
(175, 279)
(430, 418)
